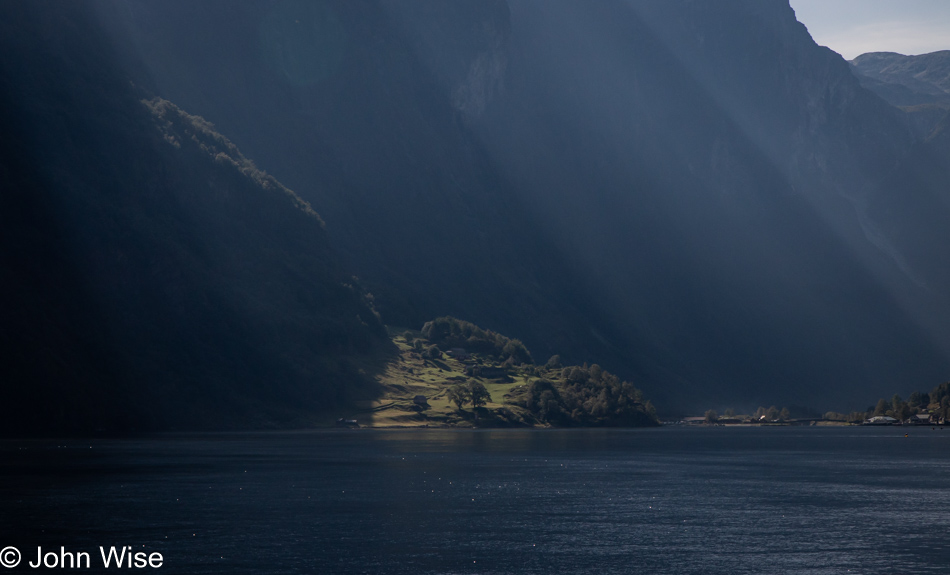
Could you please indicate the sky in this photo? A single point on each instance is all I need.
(853, 27)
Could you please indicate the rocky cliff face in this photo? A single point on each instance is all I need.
(734, 172)
(464, 45)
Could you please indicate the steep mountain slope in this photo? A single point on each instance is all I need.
(727, 164)
(693, 194)
(379, 140)
(153, 277)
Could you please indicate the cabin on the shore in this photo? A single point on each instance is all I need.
(346, 423)
(920, 419)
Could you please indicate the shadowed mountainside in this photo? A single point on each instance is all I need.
(694, 194)
(734, 172)
(154, 278)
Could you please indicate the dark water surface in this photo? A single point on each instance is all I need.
(670, 500)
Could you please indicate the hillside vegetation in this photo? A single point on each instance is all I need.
(436, 382)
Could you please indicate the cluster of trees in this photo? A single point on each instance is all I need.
(473, 392)
(448, 332)
(896, 408)
(564, 396)
(937, 402)
(424, 349)
(428, 352)
(588, 396)
(940, 400)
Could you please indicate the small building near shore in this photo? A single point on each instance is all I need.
(881, 420)
(920, 419)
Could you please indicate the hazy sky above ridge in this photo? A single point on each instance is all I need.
(853, 27)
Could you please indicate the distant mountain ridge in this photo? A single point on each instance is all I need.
(920, 85)
(926, 75)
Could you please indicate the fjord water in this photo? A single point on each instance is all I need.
(668, 500)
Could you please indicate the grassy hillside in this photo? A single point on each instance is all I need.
(521, 394)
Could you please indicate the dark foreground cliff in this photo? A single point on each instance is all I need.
(153, 277)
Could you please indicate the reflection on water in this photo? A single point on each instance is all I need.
(670, 500)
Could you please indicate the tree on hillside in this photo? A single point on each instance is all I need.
(712, 416)
(478, 394)
(459, 395)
